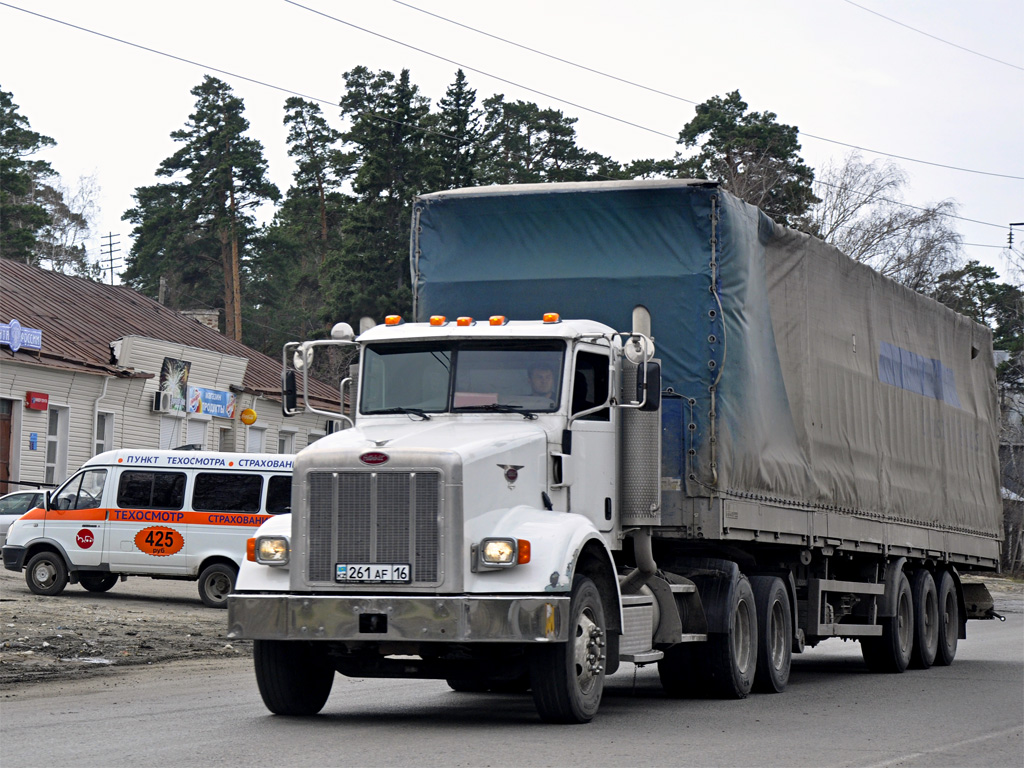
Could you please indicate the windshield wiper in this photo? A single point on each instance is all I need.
(500, 408)
(399, 409)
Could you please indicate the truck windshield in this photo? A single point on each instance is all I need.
(512, 376)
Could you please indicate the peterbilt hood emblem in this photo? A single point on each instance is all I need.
(374, 458)
(511, 473)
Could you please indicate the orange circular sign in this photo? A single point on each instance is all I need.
(159, 541)
(248, 416)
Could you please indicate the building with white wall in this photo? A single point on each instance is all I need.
(87, 367)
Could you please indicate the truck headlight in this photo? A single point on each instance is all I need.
(270, 550)
(501, 553)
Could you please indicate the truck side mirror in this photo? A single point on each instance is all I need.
(289, 396)
(648, 379)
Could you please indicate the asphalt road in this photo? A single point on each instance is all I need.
(835, 713)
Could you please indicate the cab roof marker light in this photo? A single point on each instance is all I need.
(464, 322)
(552, 317)
(498, 320)
(393, 320)
(438, 320)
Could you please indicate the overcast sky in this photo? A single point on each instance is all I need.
(939, 84)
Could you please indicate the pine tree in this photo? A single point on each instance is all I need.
(457, 138)
(22, 214)
(388, 163)
(751, 154)
(224, 177)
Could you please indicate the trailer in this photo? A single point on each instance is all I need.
(748, 443)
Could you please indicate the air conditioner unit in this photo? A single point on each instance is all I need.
(161, 402)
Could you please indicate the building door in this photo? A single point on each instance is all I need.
(6, 408)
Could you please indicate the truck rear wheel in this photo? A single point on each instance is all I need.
(949, 620)
(215, 584)
(926, 620)
(774, 634)
(568, 678)
(46, 573)
(97, 582)
(891, 652)
(732, 656)
(294, 676)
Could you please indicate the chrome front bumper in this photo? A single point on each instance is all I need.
(457, 619)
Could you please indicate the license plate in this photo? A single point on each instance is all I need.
(372, 572)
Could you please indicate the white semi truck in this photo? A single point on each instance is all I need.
(751, 444)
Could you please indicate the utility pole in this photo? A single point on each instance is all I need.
(107, 251)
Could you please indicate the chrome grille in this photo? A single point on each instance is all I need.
(374, 517)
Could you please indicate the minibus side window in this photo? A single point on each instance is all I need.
(227, 492)
(151, 490)
(279, 494)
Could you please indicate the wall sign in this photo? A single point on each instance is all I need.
(37, 401)
(16, 337)
(212, 402)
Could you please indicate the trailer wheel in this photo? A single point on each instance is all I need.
(215, 584)
(774, 634)
(46, 573)
(568, 678)
(926, 620)
(949, 620)
(891, 652)
(732, 656)
(97, 582)
(294, 676)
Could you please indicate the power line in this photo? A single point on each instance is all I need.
(632, 83)
(482, 72)
(420, 128)
(933, 37)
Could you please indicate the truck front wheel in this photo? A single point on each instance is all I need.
(568, 678)
(294, 676)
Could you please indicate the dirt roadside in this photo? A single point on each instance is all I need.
(148, 621)
(79, 633)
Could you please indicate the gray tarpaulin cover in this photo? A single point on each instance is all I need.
(830, 384)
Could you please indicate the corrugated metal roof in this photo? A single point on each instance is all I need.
(79, 318)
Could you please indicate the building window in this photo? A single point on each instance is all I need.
(104, 432)
(255, 440)
(314, 435)
(56, 445)
(286, 442)
(226, 439)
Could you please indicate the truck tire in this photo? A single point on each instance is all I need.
(568, 678)
(949, 620)
(891, 652)
(774, 634)
(215, 584)
(732, 656)
(294, 676)
(46, 573)
(97, 582)
(926, 620)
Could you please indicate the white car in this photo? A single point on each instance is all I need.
(14, 505)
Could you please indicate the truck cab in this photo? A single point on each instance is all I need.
(470, 516)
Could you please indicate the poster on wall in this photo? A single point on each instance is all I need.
(174, 380)
(212, 402)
